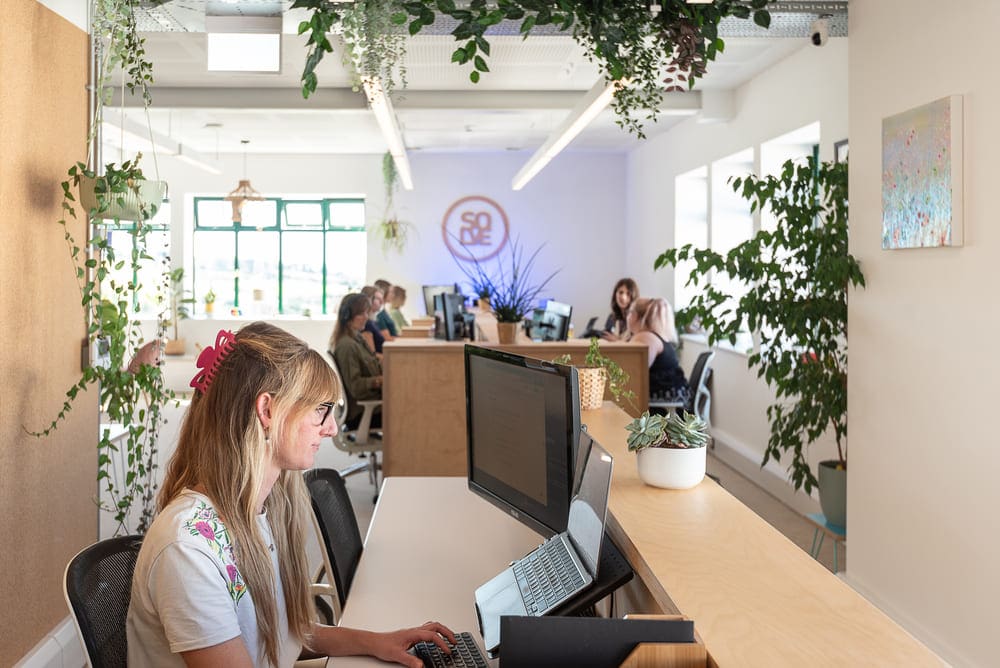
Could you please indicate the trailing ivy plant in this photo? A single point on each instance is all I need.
(797, 277)
(392, 231)
(647, 52)
(617, 377)
(375, 44)
(132, 398)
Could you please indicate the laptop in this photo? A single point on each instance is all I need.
(563, 565)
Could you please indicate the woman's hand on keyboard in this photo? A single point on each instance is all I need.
(392, 646)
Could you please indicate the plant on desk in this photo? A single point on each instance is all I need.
(671, 449)
(180, 301)
(596, 372)
(513, 293)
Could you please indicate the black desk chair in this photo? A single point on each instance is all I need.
(338, 533)
(98, 588)
(699, 399)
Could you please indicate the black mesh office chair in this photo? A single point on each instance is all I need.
(699, 399)
(98, 587)
(337, 530)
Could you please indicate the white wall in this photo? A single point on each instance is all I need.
(922, 494)
(576, 207)
(808, 86)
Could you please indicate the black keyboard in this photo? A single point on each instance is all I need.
(546, 576)
(464, 654)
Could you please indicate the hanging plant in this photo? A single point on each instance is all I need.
(392, 231)
(132, 398)
(374, 44)
(648, 52)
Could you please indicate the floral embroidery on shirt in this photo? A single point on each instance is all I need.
(205, 522)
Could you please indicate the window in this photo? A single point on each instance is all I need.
(288, 256)
(150, 275)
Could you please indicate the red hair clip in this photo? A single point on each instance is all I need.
(211, 359)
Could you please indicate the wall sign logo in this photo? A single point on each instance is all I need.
(475, 228)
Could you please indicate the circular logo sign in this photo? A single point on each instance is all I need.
(475, 228)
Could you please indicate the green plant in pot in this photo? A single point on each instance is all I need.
(797, 277)
(180, 309)
(513, 292)
(209, 302)
(110, 288)
(391, 231)
(671, 449)
(596, 372)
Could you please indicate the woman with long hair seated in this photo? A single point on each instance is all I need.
(222, 577)
(359, 367)
(651, 321)
(622, 297)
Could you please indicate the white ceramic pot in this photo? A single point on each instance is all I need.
(672, 468)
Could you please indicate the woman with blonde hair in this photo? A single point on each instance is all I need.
(222, 578)
(651, 321)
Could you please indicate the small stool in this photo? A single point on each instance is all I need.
(823, 529)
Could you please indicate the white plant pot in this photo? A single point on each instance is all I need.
(672, 468)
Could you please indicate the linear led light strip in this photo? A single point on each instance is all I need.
(386, 119)
(593, 103)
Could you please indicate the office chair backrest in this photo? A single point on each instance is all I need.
(700, 399)
(98, 588)
(337, 524)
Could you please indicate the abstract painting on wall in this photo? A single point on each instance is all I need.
(922, 176)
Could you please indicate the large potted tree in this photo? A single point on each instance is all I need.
(797, 279)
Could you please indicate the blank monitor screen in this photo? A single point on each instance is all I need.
(431, 290)
(523, 418)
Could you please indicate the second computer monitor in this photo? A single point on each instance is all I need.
(449, 317)
(552, 322)
(430, 291)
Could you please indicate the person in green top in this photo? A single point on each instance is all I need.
(394, 302)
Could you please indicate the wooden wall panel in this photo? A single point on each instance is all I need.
(46, 485)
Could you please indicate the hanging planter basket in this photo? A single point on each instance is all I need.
(130, 205)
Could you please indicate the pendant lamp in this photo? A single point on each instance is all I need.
(243, 192)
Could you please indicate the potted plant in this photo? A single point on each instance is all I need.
(798, 305)
(596, 372)
(671, 449)
(209, 302)
(391, 231)
(180, 299)
(512, 292)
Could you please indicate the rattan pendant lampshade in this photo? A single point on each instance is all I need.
(244, 192)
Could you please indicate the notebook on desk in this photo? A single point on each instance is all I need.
(561, 567)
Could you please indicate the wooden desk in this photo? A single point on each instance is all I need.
(423, 410)
(756, 598)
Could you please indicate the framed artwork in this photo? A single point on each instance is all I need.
(922, 176)
(840, 151)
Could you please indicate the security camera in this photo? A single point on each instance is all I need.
(819, 31)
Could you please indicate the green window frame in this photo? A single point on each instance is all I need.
(290, 221)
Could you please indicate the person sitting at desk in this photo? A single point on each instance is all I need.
(377, 330)
(651, 321)
(396, 298)
(360, 370)
(222, 577)
(622, 297)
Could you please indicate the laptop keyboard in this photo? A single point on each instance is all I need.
(464, 654)
(546, 576)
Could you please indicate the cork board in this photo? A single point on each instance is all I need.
(46, 485)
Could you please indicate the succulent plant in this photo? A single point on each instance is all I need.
(667, 431)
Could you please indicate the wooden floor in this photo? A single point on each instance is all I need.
(794, 526)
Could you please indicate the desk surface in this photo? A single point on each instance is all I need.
(756, 598)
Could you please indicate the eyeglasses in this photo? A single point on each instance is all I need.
(323, 412)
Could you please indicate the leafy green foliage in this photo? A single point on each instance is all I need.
(617, 377)
(392, 232)
(633, 45)
(797, 278)
(374, 40)
(512, 292)
(667, 431)
(111, 306)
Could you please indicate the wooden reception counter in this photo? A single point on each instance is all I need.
(424, 397)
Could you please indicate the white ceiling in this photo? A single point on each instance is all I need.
(531, 87)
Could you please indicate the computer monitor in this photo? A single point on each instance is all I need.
(551, 323)
(431, 290)
(449, 316)
(523, 419)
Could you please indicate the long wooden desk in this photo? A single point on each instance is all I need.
(756, 598)
(423, 411)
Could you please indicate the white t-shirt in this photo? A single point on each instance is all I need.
(187, 592)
